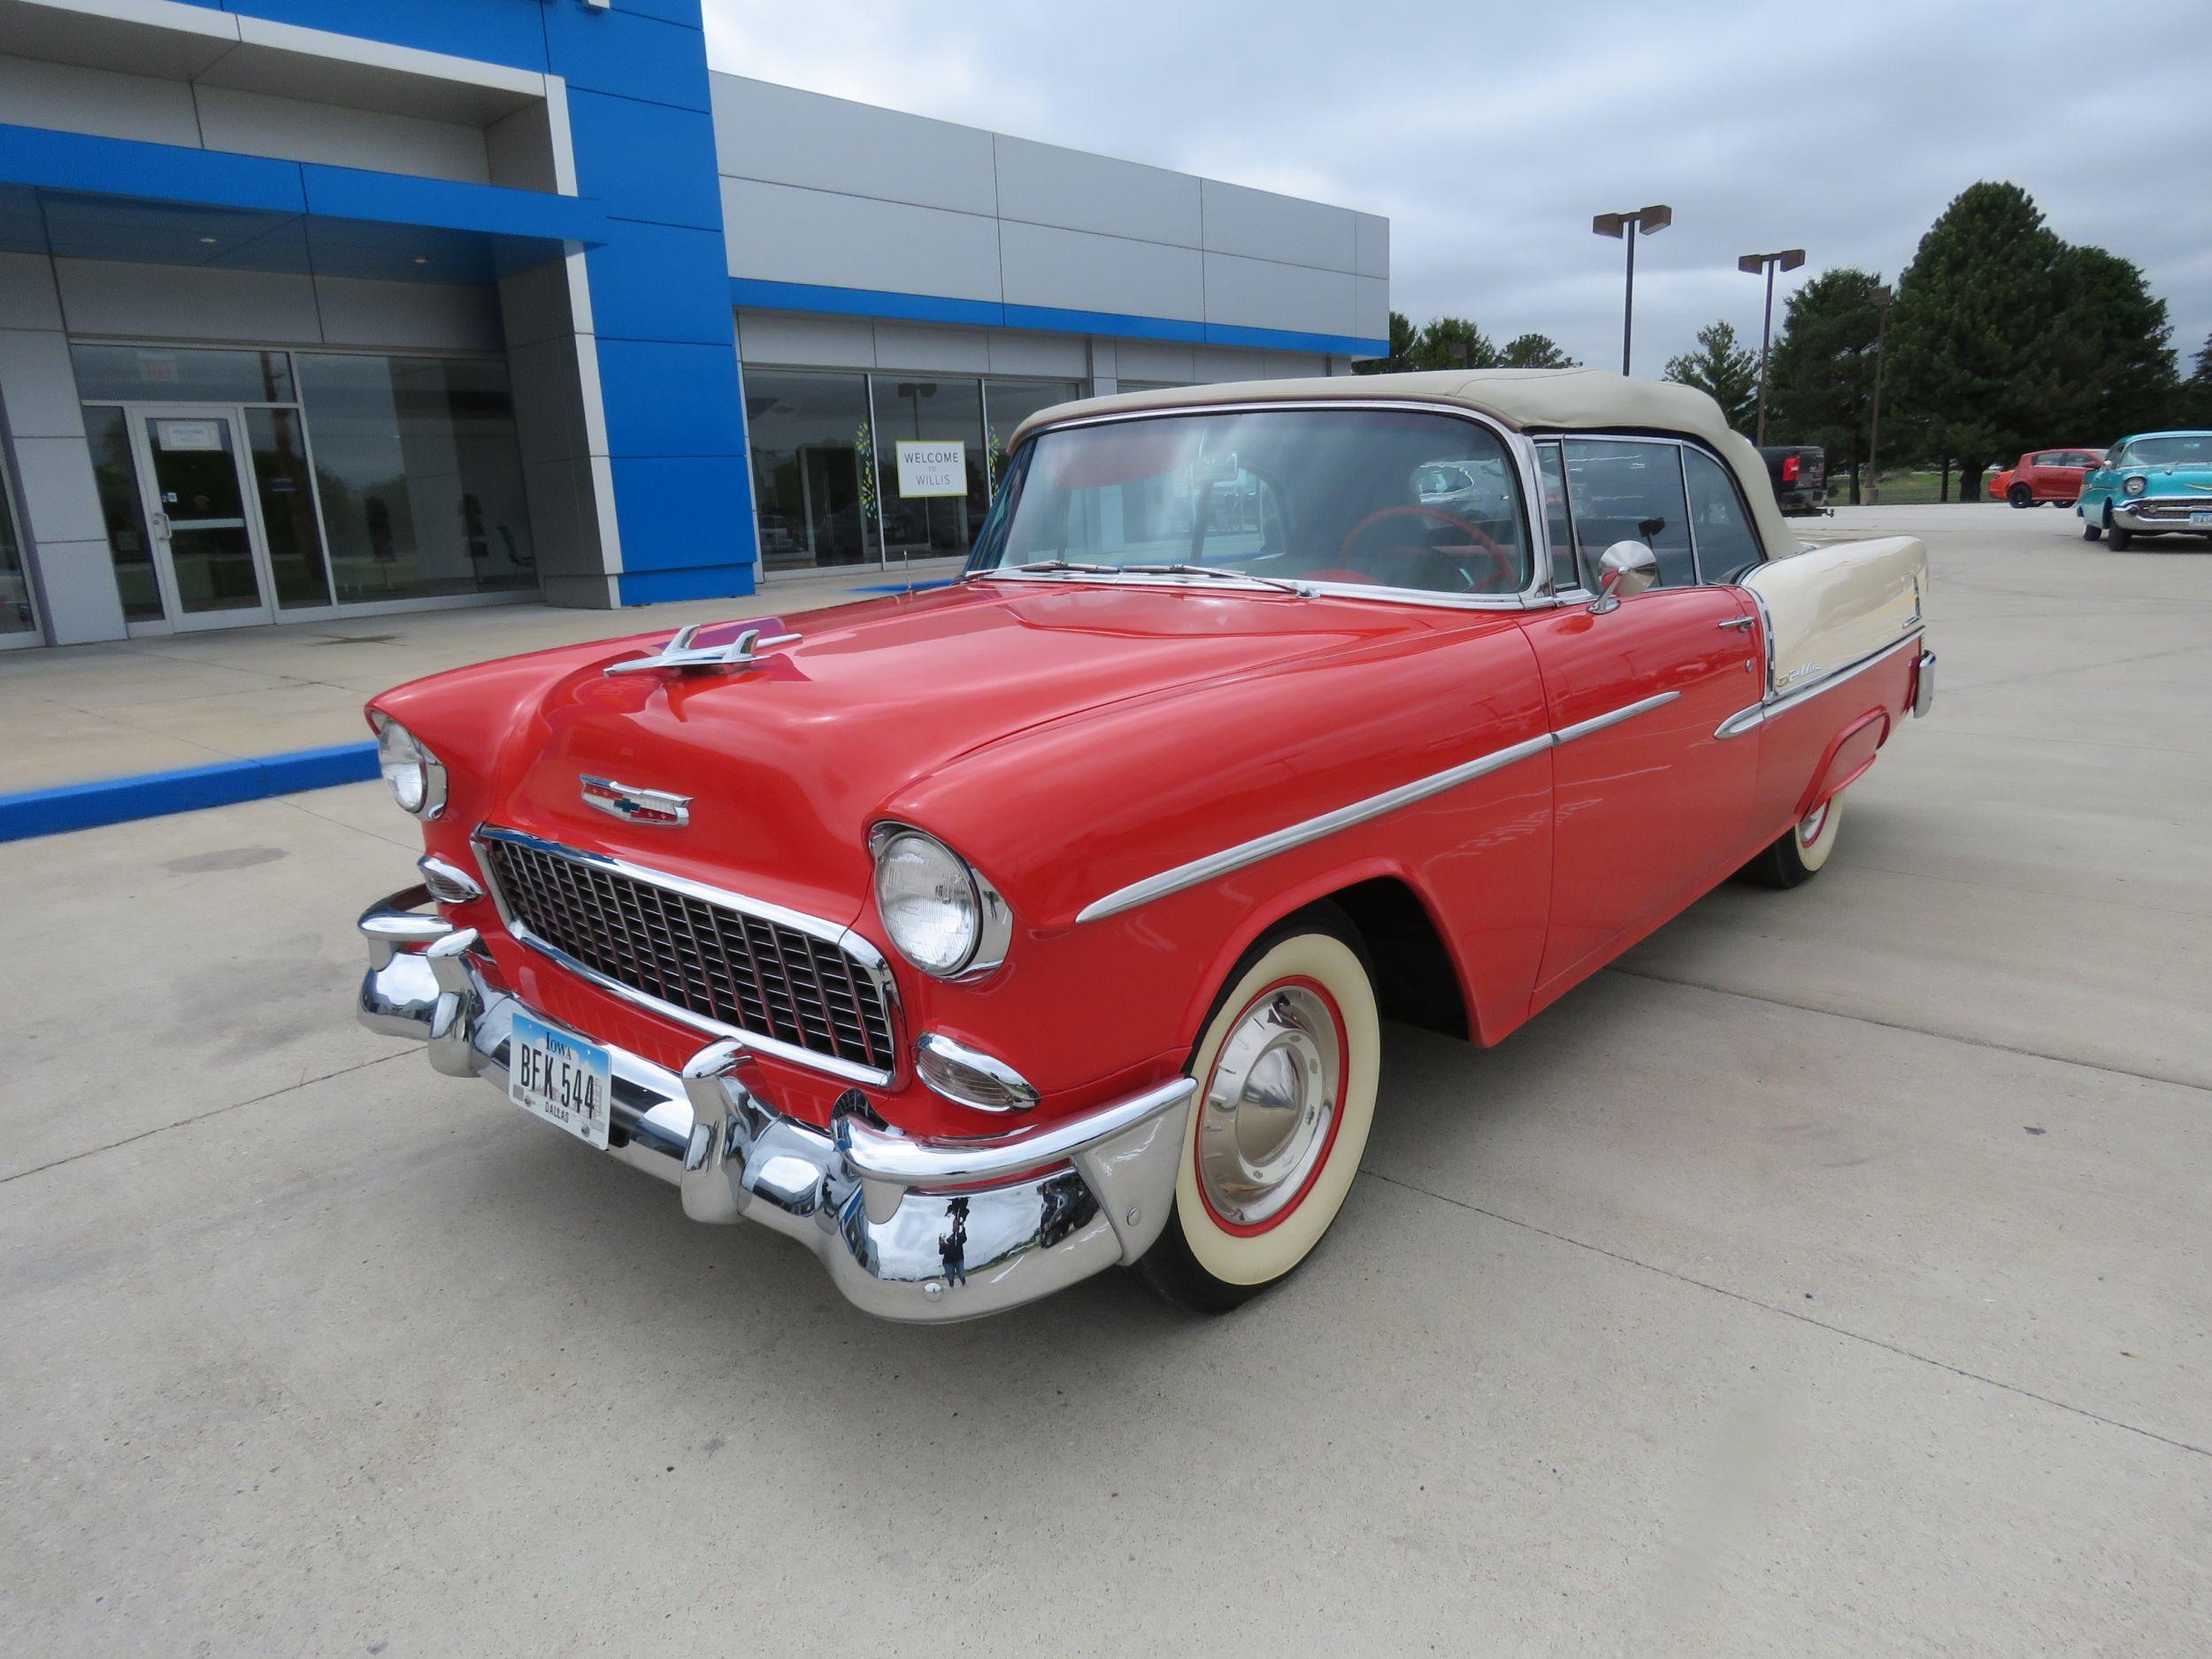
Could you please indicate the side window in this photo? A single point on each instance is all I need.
(1727, 545)
(1551, 474)
(1621, 491)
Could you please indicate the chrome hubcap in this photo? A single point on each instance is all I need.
(1809, 826)
(1270, 1105)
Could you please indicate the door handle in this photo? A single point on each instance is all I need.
(161, 526)
(1736, 622)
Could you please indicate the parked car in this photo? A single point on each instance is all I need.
(983, 938)
(2155, 483)
(2045, 475)
(1799, 474)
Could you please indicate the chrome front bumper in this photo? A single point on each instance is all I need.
(2157, 514)
(1043, 1207)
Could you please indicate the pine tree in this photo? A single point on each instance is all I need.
(1726, 371)
(1535, 351)
(1401, 357)
(1453, 342)
(2195, 402)
(2110, 366)
(1820, 383)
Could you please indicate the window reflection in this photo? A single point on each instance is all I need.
(939, 412)
(15, 591)
(419, 474)
(813, 477)
(116, 473)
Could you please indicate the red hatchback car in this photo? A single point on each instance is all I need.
(2045, 475)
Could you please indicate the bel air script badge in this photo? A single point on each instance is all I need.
(637, 806)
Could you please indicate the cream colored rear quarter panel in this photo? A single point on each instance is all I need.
(1829, 606)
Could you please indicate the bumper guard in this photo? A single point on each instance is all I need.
(910, 1228)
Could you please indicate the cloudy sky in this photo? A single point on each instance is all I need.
(1490, 134)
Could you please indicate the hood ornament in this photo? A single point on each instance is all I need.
(632, 805)
(680, 654)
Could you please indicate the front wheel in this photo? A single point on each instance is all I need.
(1286, 1070)
(1800, 852)
(2119, 538)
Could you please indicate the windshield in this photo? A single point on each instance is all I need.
(1365, 497)
(2189, 449)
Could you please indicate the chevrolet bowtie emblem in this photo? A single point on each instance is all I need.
(656, 807)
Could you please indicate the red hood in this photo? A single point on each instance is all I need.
(788, 763)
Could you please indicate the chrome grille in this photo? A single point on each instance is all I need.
(743, 968)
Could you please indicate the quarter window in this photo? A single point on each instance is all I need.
(1727, 545)
(1626, 491)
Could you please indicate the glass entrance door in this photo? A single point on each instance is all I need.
(208, 556)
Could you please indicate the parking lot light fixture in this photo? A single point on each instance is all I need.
(1754, 264)
(1645, 221)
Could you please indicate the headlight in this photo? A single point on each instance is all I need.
(2135, 486)
(416, 775)
(942, 916)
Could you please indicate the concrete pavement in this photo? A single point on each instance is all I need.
(1831, 1277)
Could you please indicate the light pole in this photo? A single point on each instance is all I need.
(1754, 264)
(1645, 221)
(1881, 296)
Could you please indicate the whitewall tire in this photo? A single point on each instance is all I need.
(1287, 1067)
(1801, 851)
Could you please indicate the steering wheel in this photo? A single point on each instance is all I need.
(1507, 563)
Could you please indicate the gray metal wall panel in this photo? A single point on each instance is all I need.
(778, 337)
(1371, 307)
(101, 296)
(919, 348)
(40, 386)
(781, 233)
(37, 93)
(27, 297)
(1154, 360)
(782, 135)
(1261, 225)
(1371, 238)
(441, 316)
(1262, 294)
(55, 476)
(255, 124)
(1055, 356)
(1076, 270)
(1045, 184)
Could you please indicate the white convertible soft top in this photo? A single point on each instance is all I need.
(1530, 399)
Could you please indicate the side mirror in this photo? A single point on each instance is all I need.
(1625, 570)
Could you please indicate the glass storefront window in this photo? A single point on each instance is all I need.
(419, 474)
(116, 473)
(287, 498)
(1007, 404)
(181, 374)
(15, 587)
(813, 471)
(937, 412)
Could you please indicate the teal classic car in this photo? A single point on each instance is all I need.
(2155, 483)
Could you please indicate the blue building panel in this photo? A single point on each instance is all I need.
(646, 161)
(393, 198)
(663, 282)
(39, 157)
(670, 399)
(686, 523)
(626, 53)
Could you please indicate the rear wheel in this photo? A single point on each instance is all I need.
(1800, 852)
(2020, 496)
(1286, 1070)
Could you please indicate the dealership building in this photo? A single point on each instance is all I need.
(312, 309)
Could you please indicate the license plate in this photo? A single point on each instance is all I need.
(561, 1078)
(2201, 517)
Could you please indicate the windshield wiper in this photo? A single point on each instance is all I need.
(1300, 589)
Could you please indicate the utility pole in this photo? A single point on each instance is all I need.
(1754, 264)
(1645, 221)
(1882, 297)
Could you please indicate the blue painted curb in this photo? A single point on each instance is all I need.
(156, 793)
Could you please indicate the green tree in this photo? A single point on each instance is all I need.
(2195, 404)
(2111, 363)
(1978, 315)
(1401, 357)
(1453, 342)
(1535, 351)
(1820, 381)
(1726, 371)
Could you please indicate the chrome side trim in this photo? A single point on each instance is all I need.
(1759, 713)
(448, 882)
(1198, 870)
(948, 1066)
(862, 952)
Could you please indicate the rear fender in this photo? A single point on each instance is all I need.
(1848, 757)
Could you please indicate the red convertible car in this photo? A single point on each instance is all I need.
(986, 938)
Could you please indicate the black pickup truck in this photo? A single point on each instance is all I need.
(1799, 473)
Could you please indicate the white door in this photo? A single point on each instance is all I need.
(209, 555)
